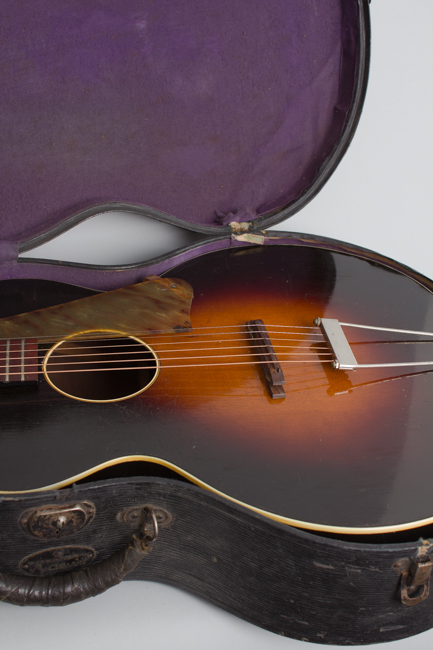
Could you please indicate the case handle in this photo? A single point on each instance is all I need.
(68, 588)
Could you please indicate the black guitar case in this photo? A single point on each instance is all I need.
(223, 118)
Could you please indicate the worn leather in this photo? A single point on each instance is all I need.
(68, 588)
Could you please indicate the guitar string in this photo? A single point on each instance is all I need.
(188, 365)
(205, 365)
(408, 342)
(135, 344)
(164, 333)
(62, 349)
(247, 341)
(59, 352)
(256, 338)
(191, 335)
(178, 341)
(292, 385)
(245, 338)
(218, 356)
(201, 357)
(386, 329)
(171, 332)
(377, 381)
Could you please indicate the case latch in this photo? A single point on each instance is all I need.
(415, 576)
(57, 520)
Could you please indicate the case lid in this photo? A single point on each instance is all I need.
(207, 112)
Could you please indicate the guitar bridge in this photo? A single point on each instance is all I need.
(268, 361)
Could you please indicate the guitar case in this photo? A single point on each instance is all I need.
(223, 118)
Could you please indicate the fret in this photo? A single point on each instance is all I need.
(4, 360)
(13, 368)
(31, 356)
(7, 361)
(18, 361)
(22, 358)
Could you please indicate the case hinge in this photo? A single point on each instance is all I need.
(241, 231)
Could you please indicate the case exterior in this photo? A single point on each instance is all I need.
(288, 581)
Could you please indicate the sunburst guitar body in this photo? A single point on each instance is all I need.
(229, 380)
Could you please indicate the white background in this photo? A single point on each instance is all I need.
(379, 198)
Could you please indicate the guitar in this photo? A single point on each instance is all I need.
(233, 381)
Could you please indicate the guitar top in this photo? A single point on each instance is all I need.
(246, 401)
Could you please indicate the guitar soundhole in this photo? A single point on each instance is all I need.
(101, 368)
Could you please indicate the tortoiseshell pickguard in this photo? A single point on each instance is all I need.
(152, 305)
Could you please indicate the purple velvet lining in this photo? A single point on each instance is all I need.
(112, 279)
(106, 280)
(8, 252)
(207, 110)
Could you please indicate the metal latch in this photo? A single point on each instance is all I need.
(57, 520)
(415, 584)
(415, 576)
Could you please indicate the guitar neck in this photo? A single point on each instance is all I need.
(18, 361)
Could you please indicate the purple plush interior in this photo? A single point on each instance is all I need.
(209, 110)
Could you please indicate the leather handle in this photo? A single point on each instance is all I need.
(68, 588)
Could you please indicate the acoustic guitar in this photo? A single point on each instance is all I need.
(296, 380)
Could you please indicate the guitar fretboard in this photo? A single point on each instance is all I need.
(18, 361)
